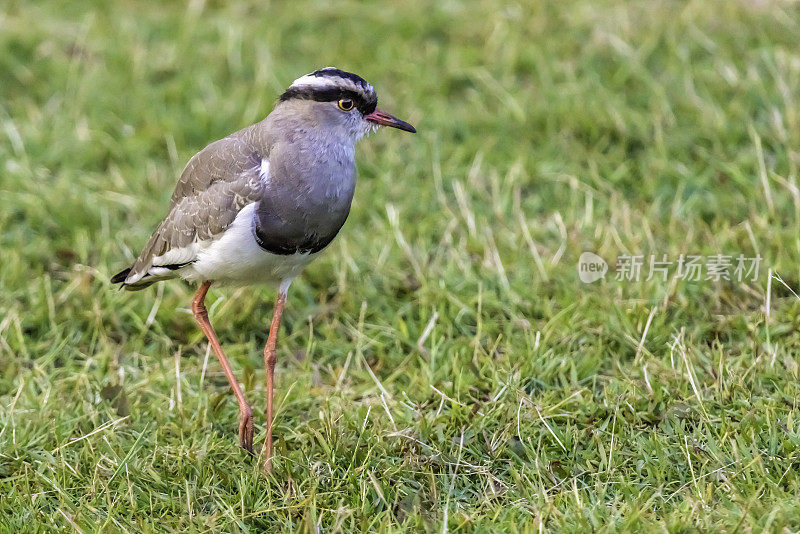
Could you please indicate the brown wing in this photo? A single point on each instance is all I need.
(215, 185)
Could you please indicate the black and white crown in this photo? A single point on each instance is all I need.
(332, 84)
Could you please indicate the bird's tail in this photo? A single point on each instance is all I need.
(121, 276)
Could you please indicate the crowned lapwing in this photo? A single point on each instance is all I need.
(259, 205)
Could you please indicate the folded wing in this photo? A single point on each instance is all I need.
(217, 183)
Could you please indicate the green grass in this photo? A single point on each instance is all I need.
(442, 366)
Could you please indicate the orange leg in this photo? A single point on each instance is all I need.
(269, 360)
(245, 413)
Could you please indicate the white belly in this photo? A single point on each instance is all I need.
(234, 258)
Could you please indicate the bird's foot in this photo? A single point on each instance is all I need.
(246, 428)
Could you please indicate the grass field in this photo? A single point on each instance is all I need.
(442, 367)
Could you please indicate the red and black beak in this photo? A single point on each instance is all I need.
(385, 119)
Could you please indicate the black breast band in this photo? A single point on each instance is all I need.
(286, 245)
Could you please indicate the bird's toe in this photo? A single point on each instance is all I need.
(246, 430)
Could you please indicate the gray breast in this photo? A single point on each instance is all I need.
(307, 198)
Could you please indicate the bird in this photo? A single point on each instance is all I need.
(259, 205)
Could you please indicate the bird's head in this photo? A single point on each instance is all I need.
(333, 100)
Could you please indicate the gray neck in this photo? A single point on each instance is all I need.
(309, 187)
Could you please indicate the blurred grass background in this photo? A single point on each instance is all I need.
(442, 367)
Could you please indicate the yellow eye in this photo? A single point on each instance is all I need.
(346, 104)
